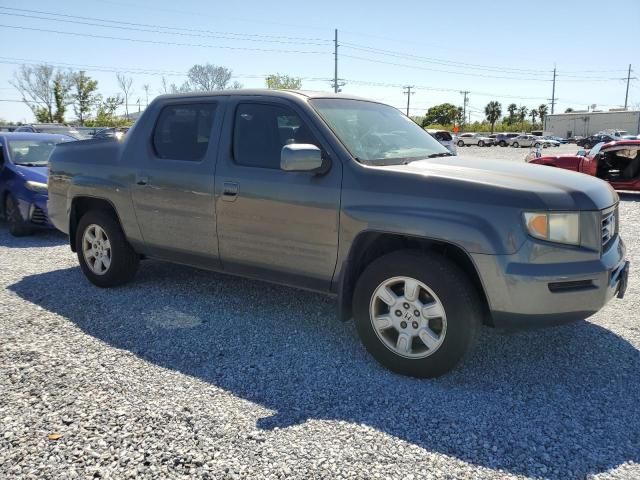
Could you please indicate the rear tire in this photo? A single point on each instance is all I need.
(460, 143)
(502, 143)
(17, 225)
(516, 145)
(536, 145)
(446, 312)
(587, 146)
(481, 143)
(105, 256)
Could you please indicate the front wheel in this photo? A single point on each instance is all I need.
(460, 143)
(516, 145)
(502, 143)
(587, 146)
(17, 225)
(105, 256)
(536, 145)
(481, 143)
(416, 313)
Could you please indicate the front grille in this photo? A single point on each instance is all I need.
(609, 226)
(38, 216)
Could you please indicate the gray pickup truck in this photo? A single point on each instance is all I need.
(350, 198)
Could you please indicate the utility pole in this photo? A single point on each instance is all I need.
(626, 96)
(407, 91)
(335, 63)
(553, 90)
(464, 106)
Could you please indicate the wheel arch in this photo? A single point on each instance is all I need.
(370, 245)
(83, 204)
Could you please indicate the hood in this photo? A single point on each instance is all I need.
(521, 184)
(37, 174)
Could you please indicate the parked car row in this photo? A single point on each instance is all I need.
(78, 133)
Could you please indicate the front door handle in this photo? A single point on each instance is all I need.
(142, 180)
(230, 191)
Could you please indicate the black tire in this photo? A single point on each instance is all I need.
(124, 259)
(587, 146)
(460, 143)
(536, 145)
(453, 288)
(481, 143)
(17, 225)
(516, 145)
(502, 143)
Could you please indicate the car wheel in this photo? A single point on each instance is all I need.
(502, 143)
(537, 145)
(460, 143)
(416, 313)
(480, 143)
(516, 145)
(17, 225)
(105, 256)
(587, 146)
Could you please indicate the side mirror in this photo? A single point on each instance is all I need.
(300, 157)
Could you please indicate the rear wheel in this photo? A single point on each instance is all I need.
(516, 145)
(502, 143)
(416, 313)
(587, 146)
(18, 227)
(480, 143)
(537, 145)
(105, 256)
(460, 143)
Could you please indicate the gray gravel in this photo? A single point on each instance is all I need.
(510, 153)
(189, 373)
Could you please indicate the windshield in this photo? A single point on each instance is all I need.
(31, 153)
(377, 134)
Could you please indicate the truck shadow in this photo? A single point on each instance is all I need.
(285, 350)
(39, 238)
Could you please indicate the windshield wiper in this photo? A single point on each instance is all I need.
(443, 154)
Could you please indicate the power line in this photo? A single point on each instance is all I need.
(158, 42)
(262, 37)
(407, 91)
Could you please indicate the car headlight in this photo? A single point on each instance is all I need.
(37, 187)
(554, 227)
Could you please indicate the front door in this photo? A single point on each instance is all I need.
(272, 223)
(174, 191)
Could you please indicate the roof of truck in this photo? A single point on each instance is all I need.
(265, 92)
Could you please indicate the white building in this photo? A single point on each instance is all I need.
(588, 123)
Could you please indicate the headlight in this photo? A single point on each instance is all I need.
(554, 227)
(38, 187)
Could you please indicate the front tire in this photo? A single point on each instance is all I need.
(17, 225)
(516, 145)
(105, 256)
(416, 313)
(587, 146)
(481, 143)
(460, 143)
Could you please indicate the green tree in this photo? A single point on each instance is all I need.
(106, 114)
(281, 82)
(542, 112)
(62, 85)
(534, 114)
(493, 111)
(443, 114)
(522, 114)
(512, 109)
(84, 95)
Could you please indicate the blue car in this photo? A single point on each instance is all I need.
(23, 179)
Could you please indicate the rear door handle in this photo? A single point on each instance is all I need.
(142, 180)
(230, 191)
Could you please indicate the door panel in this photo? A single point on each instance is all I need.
(174, 191)
(275, 224)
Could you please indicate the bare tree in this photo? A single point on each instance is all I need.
(36, 85)
(125, 85)
(277, 81)
(205, 78)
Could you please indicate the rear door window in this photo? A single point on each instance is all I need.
(183, 131)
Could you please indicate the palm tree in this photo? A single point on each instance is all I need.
(522, 114)
(512, 108)
(493, 111)
(542, 111)
(534, 114)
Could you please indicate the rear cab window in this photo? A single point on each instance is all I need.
(183, 132)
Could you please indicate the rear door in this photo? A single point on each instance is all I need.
(174, 191)
(275, 224)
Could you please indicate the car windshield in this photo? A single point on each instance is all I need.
(377, 134)
(32, 153)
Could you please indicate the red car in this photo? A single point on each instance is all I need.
(616, 162)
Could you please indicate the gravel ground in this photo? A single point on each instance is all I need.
(189, 373)
(510, 153)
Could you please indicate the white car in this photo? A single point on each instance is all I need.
(465, 139)
(551, 142)
(444, 138)
(527, 141)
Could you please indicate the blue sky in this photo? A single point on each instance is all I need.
(440, 47)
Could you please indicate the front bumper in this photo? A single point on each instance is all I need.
(529, 295)
(34, 211)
